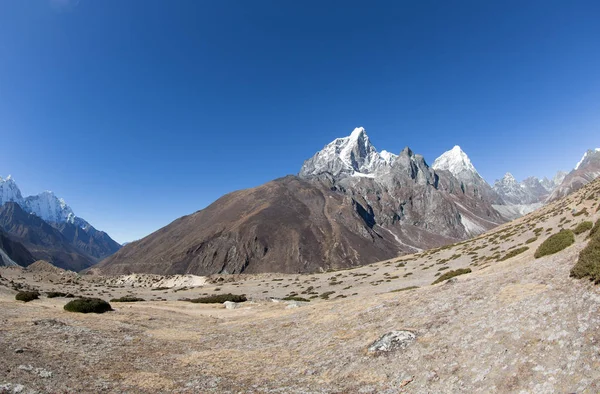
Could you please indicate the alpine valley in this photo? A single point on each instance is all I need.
(44, 227)
(349, 205)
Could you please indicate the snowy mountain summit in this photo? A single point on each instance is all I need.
(587, 156)
(50, 208)
(456, 161)
(349, 156)
(530, 191)
(44, 205)
(9, 191)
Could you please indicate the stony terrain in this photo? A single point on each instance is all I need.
(514, 324)
(349, 206)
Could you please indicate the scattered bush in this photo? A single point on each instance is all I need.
(583, 227)
(127, 299)
(588, 264)
(555, 243)
(582, 212)
(531, 240)
(595, 229)
(88, 305)
(219, 299)
(326, 295)
(404, 289)
(452, 274)
(513, 253)
(27, 296)
(55, 294)
(160, 288)
(295, 298)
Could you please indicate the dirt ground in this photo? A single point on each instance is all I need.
(514, 325)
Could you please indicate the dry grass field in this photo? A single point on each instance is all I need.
(515, 323)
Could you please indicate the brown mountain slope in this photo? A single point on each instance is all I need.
(87, 239)
(41, 239)
(587, 170)
(295, 225)
(514, 324)
(13, 252)
(287, 225)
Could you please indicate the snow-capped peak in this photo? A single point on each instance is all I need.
(352, 155)
(585, 155)
(388, 157)
(50, 208)
(508, 177)
(9, 191)
(356, 133)
(456, 161)
(44, 205)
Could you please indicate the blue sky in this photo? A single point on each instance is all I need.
(138, 112)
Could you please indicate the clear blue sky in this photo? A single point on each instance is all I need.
(138, 112)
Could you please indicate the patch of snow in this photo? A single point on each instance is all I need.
(388, 157)
(471, 227)
(514, 211)
(361, 175)
(7, 260)
(399, 241)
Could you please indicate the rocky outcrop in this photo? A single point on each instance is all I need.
(585, 171)
(55, 212)
(42, 240)
(13, 252)
(349, 206)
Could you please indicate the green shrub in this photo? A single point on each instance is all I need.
(583, 227)
(588, 264)
(452, 274)
(531, 240)
(595, 229)
(54, 294)
(513, 253)
(404, 289)
(555, 243)
(295, 298)
(27, 296)
(88, 305)
(219, 299)
(582, 212)
(127, 298)
(326, 295)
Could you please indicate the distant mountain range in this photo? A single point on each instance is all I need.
(349, 205)
(48, 229)
(585, 171)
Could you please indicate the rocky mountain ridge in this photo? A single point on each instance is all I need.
(348, 206)
(586, 170)
(39, 218)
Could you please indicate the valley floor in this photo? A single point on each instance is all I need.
(528, 328)
(514, 324)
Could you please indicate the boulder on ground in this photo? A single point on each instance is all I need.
(392, 341)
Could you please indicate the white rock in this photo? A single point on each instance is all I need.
(392, 340)
(295, 304)
(231, 305)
